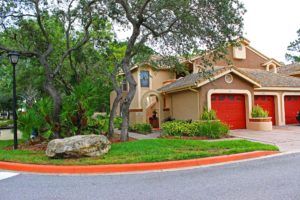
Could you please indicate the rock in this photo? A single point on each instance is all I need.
(78, 146)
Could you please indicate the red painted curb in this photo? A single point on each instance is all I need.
(117, 168)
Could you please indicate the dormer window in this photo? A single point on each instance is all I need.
(271, 65)
(144, 78)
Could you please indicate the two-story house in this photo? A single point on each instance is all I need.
(252, 79)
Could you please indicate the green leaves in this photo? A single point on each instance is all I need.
(294, 50)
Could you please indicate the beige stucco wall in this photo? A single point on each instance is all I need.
(185, 105)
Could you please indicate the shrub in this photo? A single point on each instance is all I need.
(101, 123)
(258, 111)
(36, 118)
(210, 129)
(141, 128)
(208, 115)
(298, 117)
(175, 128)
(6, 123)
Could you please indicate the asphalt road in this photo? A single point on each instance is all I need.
(276, 178)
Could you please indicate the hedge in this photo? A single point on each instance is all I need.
(210, 129)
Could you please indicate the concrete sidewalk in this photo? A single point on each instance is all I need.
(7, 134)
(155, 134)
(286, 138)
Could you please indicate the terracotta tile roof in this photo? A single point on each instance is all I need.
(271, 79)
(290, 69)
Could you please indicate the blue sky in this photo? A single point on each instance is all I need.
(271, 25)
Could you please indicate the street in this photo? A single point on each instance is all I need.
(275, 178)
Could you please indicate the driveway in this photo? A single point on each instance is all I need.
(287, 138)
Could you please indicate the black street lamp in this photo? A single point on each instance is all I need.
(14, 58)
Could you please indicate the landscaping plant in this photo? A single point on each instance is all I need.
(209, 129)
(143, 128)
(259, 112)
(208, 115)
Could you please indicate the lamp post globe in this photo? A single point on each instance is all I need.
(14, 58)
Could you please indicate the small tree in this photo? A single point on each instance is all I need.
(294, 50)
(50, 32)
(174, 28)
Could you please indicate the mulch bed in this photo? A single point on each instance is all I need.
(40, 144)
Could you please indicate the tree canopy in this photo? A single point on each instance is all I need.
(294, 50)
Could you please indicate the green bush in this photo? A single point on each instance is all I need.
(101, 123)
(258, 112)
(36, 118)
(6, 123)
(210, 129)
(208, 115)
(143, 128)
(176, 128)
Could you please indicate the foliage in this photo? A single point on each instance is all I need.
(143, 128)
(210, 129)
(36, 118)
(5, 123)
(298, 117)
(208, 115)
(258, 112)
(294, 49)
(101, 123)
(140, 151)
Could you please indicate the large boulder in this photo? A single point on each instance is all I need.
(78, 146)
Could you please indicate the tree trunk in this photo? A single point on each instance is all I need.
(132, 84)
(125, 108)
(113, 114)
(118, 90)
(56, 97)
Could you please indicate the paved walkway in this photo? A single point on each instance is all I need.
(7, 134)
(153, 135)
(287, 138)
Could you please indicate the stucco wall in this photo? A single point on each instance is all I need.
(158, 77)
(185, 105)
(252, 61)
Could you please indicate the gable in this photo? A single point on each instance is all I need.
(252, 61)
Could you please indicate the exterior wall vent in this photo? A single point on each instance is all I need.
(239, 52)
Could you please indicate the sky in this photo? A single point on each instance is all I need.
(271, 25)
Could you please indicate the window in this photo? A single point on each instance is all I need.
(144, 77)
(124, 85)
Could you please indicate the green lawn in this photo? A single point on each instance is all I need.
(142, 151)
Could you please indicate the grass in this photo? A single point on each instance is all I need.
(142, 151)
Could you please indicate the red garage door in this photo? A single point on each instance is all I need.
(291, 108)
(230, 109)
(267, 103)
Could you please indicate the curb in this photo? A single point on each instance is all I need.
(121, 168)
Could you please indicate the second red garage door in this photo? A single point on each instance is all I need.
(291, 108)
(230, 109)
(268, 104)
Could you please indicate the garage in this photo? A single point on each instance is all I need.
(268, 104)
(230, 109)
(291, 108)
